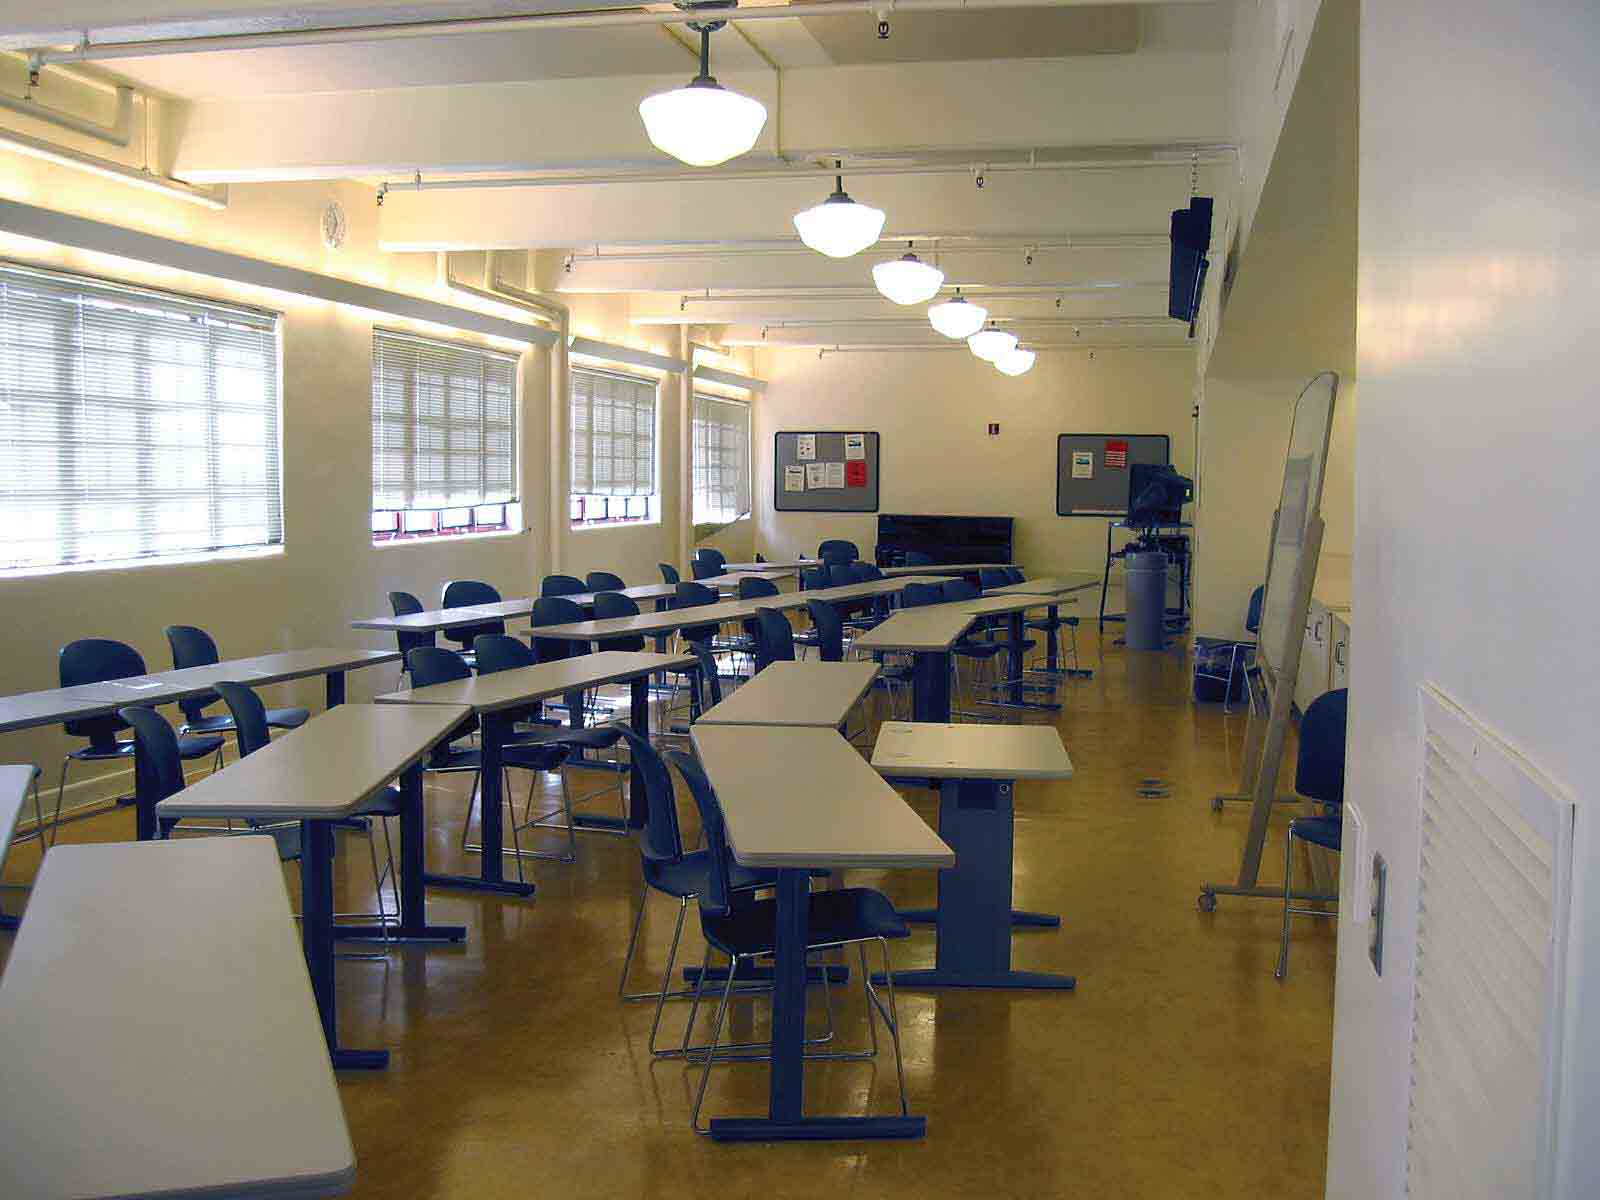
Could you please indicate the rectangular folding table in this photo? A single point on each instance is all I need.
(928, 633)
(814, 694)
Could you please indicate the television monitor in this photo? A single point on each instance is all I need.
(1191, 238)
(1156, 495)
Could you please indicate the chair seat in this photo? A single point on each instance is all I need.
(385, 804)
(101, 753)
(1046, 624)
(1324, 831)
(687, 876)
(198, 747)
(851, 914)
(217, 723)
(621, 643)
(977, 649)
(287, 718)
(699, 633)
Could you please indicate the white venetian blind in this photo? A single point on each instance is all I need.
(721, 459)
(613, 434)
(444, 424)
(136, 424)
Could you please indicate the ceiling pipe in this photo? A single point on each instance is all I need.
(118, 133)
(936, 243)
(603, 19)
(842, 293)
(1150, 322)
(822, 348)
(108, 168)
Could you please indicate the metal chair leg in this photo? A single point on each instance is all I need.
(716, 1038)
(893, 1021)
(61, 789)
(633, 944)
(1288, 864)
(666, 978)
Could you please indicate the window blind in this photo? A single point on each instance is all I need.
(444, 424)
(721, 459)
(613, 434)
(136, 424)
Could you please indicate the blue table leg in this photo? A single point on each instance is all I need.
(975, 916)
(930, 686)
(316, 926)
(333, 686)
(786, 1120)
(494, 728)
(413, 926)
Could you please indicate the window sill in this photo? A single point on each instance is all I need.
(651, 522)
(449, 539)
(143, 564)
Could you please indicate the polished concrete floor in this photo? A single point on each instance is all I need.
(1179, 1068)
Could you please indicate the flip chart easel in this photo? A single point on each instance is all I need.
(1291, 571)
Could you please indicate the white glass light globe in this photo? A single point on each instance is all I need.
(907, 280)
(702, 124)
(989, 344)
(839, 227)
(958, 318)
(1016, 361)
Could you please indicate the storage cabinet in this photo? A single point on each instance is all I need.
(1324, 654)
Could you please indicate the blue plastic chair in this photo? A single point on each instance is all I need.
(609, 605)
(713, 558)
(774, 638)
(994, 577)
(744, 929)
(465, 593)
(1319, 775)
(918, 595)
(194, 647)
(695, 595)
(556, 610)
(603, 581)
(564, 585)
(752, 588)
(669, 573)
(838, 550)
(813, 578)
(404, 604)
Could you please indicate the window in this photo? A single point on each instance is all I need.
(721, 459)
(613, 448)
(136, 424)
(444, 439)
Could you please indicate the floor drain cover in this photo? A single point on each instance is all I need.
(1154, 789)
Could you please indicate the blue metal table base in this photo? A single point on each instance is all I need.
(786, 1120)
(930, 687)
(413, 924)
(1020, 919)
(975, 917)
(837, 973)
(316, 931)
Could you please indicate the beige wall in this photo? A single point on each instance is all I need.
(933, 409)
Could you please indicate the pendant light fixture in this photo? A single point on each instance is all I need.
(989, 344)
(1016, 361)
(958, 318)
(907, 279)
(703, 123)
(839, 227)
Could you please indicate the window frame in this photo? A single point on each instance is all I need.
(695, 465)
(579, 504)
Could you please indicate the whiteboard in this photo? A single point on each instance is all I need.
(1299, 503)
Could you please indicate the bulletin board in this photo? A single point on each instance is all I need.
(825, 471)
(1092, 470)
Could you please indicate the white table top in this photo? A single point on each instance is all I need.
(805, 798)
(994, 605)
(163, 687)
(732, 577)
(817, 694)
(14, 784)
(326, 769)
(944, 568)
(524, 685)
(933, 627)
(781, 564)
(941, 751)
(1050, 585)
(159, 1034)
(435, 619)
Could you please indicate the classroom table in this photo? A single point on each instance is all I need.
(794, 800)
(927, 633)
(322, 773)
(498, 698)
(780, 564)
(817, 695)
(16, 784)
(1011, 607)
(1059, 588)
(158, 1033)
(945, 569)
(976, 767)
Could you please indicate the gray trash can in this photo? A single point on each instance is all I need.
(1146, 586)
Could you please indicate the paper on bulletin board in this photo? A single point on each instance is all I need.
(1116, 455)
(816, 475)
(835, 474)
(855, 446)
(1083, 464)
(855, 474)
(805, 446)
(794, 479)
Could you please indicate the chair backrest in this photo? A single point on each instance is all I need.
(464, 593)
(915, 595)
(433, 664)
(865, 572)
(830, 630)
(958, 589)
(704, 568)
(603, 581)
(661, 836)
(192, 647)
(563, 585)
(159, 766)
(404, 604)
(812, 578)
(712, 555)
(669, 573)
(95, 660)
(693, 595)
(993, 577)
(1015, 575)
(752, 588)
(716, 900)
(556, 610)
(709, 675)
(500, 652)
(1319, 767)
(838, 550)
(1252, 617)
(916, 558)
(840, 574)
(249, 715)
(775, 642)
(614, 604)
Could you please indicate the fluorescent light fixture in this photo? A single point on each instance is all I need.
(1016, 361)
(839, 227)
(703, 123)
(907, 279)
(730, 378)
(630, 355)
(989, 344)
(958, 318)
(107, 169)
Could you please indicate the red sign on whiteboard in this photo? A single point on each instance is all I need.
(855, 473)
